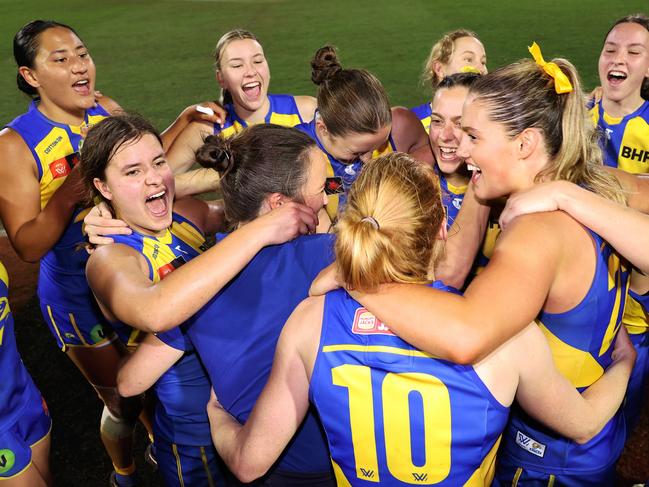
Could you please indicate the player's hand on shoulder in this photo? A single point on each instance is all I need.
(327, 280)
(539, 198)
(100, 222)
(286, 222)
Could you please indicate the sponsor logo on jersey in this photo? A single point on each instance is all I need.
(166, 269)
(530, 444)
(54, 143)
(365, 323)
(62, 167)
(635, 154)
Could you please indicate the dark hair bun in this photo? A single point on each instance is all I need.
(324, 64)
(215, 153)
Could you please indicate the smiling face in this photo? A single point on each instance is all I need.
(140, 185)
(624, 63)
(63, 74)
(489, 153)
(468, 55)
(353, 146)
(445, 128)
(244, 72)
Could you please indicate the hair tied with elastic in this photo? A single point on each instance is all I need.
(561, 82)
(372, 221)
(222, 157)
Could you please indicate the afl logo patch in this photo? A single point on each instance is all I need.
(365, 323)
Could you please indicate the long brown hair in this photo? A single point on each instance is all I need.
(349, 100)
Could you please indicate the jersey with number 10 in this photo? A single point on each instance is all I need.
(395, 415)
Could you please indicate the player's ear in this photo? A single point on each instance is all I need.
(438, 69)
(103, 188)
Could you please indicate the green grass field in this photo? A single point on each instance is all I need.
(155, 56)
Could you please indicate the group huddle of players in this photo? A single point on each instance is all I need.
(382, 295)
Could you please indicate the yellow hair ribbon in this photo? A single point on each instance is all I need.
(561, 82)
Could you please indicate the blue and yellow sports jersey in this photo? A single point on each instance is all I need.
(625, 140)
(340, 175)
(55, 148)
(424, 113)
(18, 388)
(581, 341)
(636, 315)
(395, 415)
(283, 111)
(452, 197)
(182, 391)
(636, 321)
(236, 332)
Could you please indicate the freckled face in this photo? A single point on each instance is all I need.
(624, 61)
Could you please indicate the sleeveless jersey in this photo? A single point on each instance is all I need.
(625, 140)
(636, 316)
(17, 388)
(452, 197)
(340, 176)
(423, 113)
(236, 332)
(55, 148)
(395, 415)
(283, 111)
(581, 342)
(182, 391)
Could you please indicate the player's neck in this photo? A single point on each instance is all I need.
(622, 108)
(255, 116)
(61, 115)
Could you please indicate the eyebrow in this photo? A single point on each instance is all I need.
(635, 44)
(241, 59)
(59, 51)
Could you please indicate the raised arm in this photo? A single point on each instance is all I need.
(614, 222)
(116, 276)
(547, 395)
(463, 242)
(32, 231)
(142, 369)
(410, 136)
(196, 181)
(251, 449)
(181, 154)
(189, 115)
